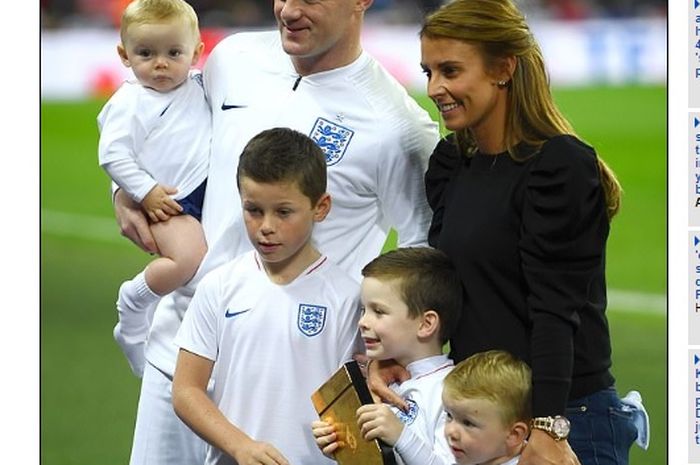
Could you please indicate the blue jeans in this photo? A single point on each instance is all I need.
(602, 431)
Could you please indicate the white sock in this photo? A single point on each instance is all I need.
(142, 295)
(135, 306)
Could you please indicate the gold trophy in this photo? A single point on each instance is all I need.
(337, 402)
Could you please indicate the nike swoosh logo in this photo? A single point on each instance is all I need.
(165, 109)
(230, 314)
(225, 107)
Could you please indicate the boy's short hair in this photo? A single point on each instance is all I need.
(497, 376)
(427, 280)
(285, 155)
(158, 11)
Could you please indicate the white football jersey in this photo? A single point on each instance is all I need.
(422, 441)
(273, 346)
(376, 139)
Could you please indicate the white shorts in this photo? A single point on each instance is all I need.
(160, 437)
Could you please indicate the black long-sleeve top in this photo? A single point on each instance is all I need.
(528, 240)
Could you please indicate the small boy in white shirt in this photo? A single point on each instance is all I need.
(411, 300)
(487, 400)
(154, 143)
(271, 325)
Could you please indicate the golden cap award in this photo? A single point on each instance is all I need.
(336, 402)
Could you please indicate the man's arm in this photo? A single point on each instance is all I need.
(400, 182)
(197, 410)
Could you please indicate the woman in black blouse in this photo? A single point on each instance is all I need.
(523, 208)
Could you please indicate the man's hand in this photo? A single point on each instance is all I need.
(377, 421)
(133, 223)
(542, 449)
(380, 374)
(158, 204)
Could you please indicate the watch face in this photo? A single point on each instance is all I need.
(561, 427)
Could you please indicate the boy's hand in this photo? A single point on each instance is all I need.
(380, 374)
(158, 204)
(326, 437)
(377, 421)
(257, 453)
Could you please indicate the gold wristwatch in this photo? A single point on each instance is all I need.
(558, 427)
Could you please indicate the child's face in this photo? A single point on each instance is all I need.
(385, 326)
(279, 220)
(475, 432)
(160, 54)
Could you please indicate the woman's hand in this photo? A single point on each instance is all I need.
(542, 449)
(380, 374)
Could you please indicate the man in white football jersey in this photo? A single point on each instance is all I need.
(313, 76)
(272, 324)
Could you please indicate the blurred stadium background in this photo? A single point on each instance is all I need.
(607, 60)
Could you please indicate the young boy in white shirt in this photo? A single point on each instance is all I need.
(274, 323)
(487, 400)
(411, 299)
(155, 134)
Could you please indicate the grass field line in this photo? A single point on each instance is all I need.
(104, 229)
(79, 226)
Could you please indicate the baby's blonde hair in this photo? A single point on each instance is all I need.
(158, 11)
(497, 376)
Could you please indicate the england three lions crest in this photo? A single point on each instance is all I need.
(332, 138)
(311, 319)
(407, 417)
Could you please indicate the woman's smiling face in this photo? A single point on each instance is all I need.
(464, 90)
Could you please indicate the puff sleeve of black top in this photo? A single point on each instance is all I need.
(562, 247)
(444, 163)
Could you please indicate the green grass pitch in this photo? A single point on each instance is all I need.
(88, 395)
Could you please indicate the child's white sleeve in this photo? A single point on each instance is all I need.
(414, 450)
(128, 175)
(199, 330)
(120, 133)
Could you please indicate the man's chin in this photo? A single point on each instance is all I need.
(295, 45)
(294, 49)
